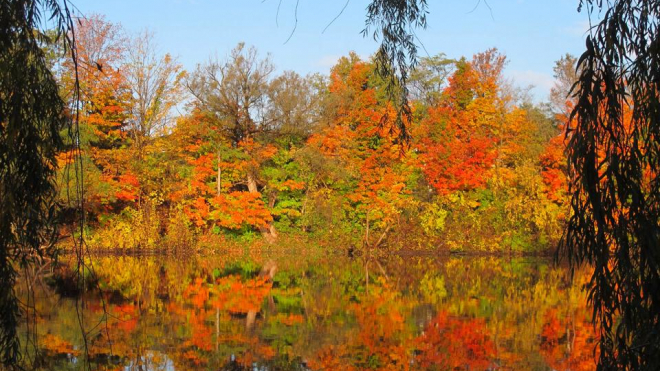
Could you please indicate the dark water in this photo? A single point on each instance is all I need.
(319, 313)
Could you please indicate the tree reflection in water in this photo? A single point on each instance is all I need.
(317, 313)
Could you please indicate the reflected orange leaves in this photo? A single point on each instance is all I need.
(381, 342)
(450, 343)
(197, 293)
(568, 343)
(192, 357)
(126, 317)
(227, 296)
(332, 358)
(210, 320)
(54, 344)
(384, 342)
(238, 297)
(290, 319)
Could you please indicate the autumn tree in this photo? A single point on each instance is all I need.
(250, 108)
(478, 148)
(553, 159)
(154, 83)
(363, 137)
(104, 111)
(460, 138)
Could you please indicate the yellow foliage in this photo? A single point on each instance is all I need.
(133, 229)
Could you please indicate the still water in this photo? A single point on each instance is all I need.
(298, 312)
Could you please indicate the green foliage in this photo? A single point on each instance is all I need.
(245, 269)
(289, 304)
(285, 190)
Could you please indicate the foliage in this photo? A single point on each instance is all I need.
(475, 313)
(132, 229)
(258, 152)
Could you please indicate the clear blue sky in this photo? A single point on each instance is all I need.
(532, 33)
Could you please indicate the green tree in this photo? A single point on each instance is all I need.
(429, 78)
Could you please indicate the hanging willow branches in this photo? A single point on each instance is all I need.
(394, 23)
(614, 154)
(31, 117)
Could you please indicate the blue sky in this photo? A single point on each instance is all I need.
(532, 33)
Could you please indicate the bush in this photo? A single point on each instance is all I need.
(180, 231)
(131, 229)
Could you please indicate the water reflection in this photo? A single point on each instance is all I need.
(321, 313)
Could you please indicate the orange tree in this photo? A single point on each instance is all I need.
(363, 137)
(476, 148)
(104, 111)
(203, 183)
(249, 111)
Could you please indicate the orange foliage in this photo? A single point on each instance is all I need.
(236, 209)
(55, 344)
(365, 138)
(568, 343)
(457, 157)
(455, 343)
(290, 319)
(381, 343)
(104, 113)
(232, 208)
(472, 136)
(238, 297)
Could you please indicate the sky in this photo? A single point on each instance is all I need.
(532, 33)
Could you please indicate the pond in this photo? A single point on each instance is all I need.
(295, 311)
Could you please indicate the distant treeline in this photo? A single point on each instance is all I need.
(234, 151)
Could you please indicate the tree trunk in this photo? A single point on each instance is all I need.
(219, 178)
(252, 182)
(268, 270)
(217, 328)
(269, 231)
